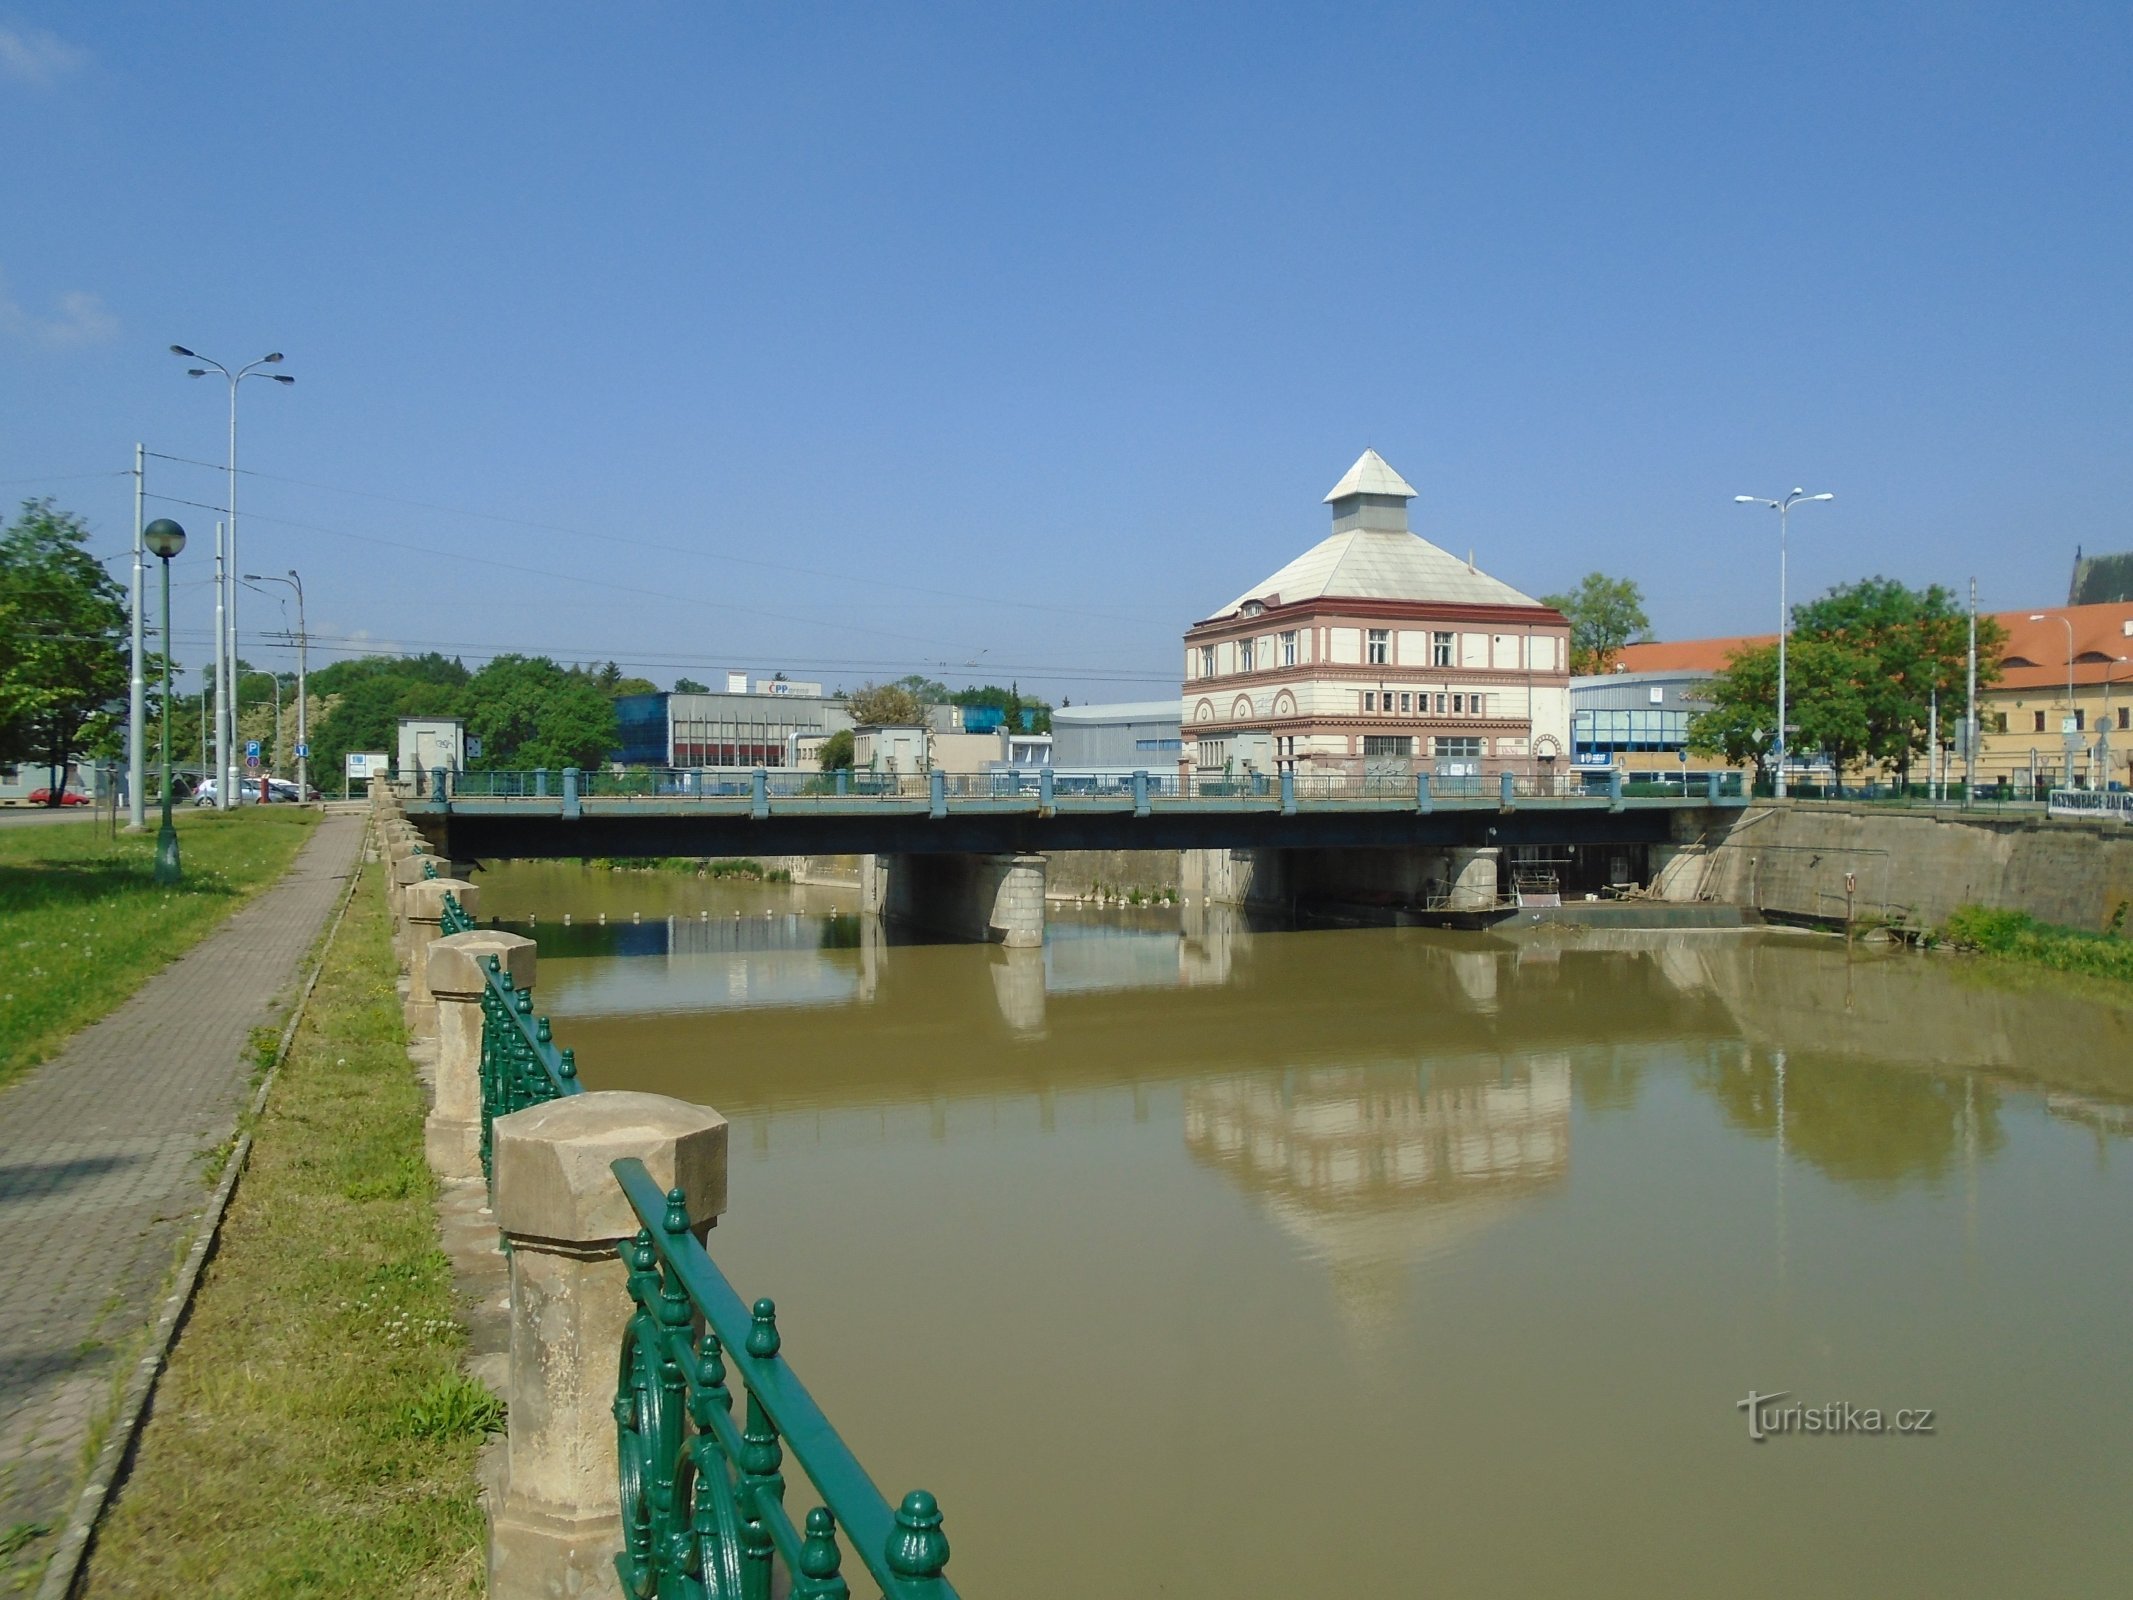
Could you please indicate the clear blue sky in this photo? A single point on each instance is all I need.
(1063, 317)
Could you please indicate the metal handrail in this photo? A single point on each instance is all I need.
(520, 1064)
(703, 1510)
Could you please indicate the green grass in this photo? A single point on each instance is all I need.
(2017, 936)
(314, 1433)
(82, 924)
(703, 866)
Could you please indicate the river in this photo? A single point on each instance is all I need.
(1183, 1258)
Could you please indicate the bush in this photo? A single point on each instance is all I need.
(2017, 936)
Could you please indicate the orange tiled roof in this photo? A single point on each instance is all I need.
(2034, 656)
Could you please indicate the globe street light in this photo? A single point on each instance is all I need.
(1782, 508)
(303, 730)
(2068, 728)
(165, 539)
(225, 717)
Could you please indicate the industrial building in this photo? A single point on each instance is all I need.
(1117, 740)
(1377, 651)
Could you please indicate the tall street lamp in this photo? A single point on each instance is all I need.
(226, 786)
(2067, 727)
(303, 638)
(165, 539)
(1783, 508)
(2103, 723)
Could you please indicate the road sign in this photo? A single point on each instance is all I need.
(251, 751)
(252, 760)
(303, 752)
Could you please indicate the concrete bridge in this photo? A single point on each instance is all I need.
(966, 857)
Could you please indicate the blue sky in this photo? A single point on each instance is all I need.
(862, 339)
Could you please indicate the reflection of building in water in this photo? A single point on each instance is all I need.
(1373, 1171)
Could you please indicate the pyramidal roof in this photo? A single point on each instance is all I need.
(1371, 474)
(1377, 563)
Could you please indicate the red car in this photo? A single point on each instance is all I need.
(67, 797)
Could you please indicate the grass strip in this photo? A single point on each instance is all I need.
(314, 1433)
(83, 924)
(2017, 936)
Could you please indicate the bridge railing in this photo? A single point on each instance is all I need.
(790, 788)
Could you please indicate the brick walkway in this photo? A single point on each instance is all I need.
(101, 1175)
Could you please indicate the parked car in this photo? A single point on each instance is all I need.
(247, 793)
(67, 797)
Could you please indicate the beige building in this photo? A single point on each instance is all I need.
(1377, 651)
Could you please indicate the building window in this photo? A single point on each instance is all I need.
(1995, 721)
(1288, 648)
(1440, 705)
(2040, 721)
(1477, 704)
(1388, 744)
(2080, 721)
(1406, 700)
(1458, 705)
(1244, 655)
(1440, 651)
(1370, 700)
(1207, 661)
(2125, 718)
(1380, 646)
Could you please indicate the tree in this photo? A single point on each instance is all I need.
(690, 686)
(623, 686)
(1742, 711)
(1904, 645)
(835, 751)
(886, 705)
(1605, 614)
(62, 632)
(929, 691)
(529, 712)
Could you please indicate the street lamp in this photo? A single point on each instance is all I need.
(225, 716)
(2068, 730)
(165, 539)
(2103, 724)
(303, 641)
(1783, 508)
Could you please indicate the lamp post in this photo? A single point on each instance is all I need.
(1783, 508)
(225, 788)
(303, 699)
(2103, 725)
(165, 539)
(2068, 729)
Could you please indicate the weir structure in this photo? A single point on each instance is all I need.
(630, 1466)
(964, 856)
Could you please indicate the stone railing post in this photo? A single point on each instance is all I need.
(407, 870)
(560, 1523)
(425, 915)
(457, 976)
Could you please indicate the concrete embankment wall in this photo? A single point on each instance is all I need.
(837, 872)
(1072, 873)
(1791, 861)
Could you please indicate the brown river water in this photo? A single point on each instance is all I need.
(1180, 1258)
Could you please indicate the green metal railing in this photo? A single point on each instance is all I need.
(520, 1064)
(703, 1499)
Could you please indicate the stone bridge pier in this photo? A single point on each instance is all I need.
(988, 899)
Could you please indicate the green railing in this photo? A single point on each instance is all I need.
(520, 1064)
(703, 1499)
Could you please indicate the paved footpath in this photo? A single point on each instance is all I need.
(101, 1169)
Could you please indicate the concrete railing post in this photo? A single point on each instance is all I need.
(1044, 789)
(1288, 792)
(1140, 794)
(844, 780)
(440, 786)
(759, 793)
(1710, 788)
(540, 783)
(937, 793)
(1614, 789)
(560, 1526)
(425, 915)
(1423, 802)
(457, 967)
(570, 792)
(1507, 791)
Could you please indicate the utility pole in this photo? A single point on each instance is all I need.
(225, 774)
(303, 644)
(137, 693)
(1970, 710)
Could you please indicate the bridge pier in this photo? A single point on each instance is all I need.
(1472, 876)
(988, 899)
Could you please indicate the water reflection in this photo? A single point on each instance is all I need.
(1372, 1171)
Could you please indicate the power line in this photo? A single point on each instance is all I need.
(659, 545)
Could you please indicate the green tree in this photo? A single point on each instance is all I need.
(1905, 645)
(529, 712)
(690, 686)
(1605, 614)
(835, 751)
(62, 631)
(928, 690)
(886, 705)
(1825, 702)
(623, 686)
(1740, 712)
